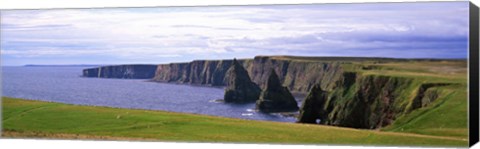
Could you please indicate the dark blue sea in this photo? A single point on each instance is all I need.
(66, 85)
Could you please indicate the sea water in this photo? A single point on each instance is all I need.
(66, 85)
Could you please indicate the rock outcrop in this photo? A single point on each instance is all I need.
(240, 88)
(275, 97)
(357, 101)
(313, 108)
(122, 71)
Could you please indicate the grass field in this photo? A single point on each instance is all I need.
(26, 118)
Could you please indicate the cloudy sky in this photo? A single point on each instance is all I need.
(178, 34)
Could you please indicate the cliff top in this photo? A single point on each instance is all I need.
(352, 59)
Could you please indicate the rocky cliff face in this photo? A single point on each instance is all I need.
(240, 89)
(363, 101)
(122, 71)
(275, 97)
(298, 76)
(425, 95)
(197, 72)
(313, 108)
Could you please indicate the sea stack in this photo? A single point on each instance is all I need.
(275, 97)
(240, 88)
(312, 110)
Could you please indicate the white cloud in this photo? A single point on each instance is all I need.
(176, 32)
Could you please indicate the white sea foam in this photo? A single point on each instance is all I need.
(247, 114)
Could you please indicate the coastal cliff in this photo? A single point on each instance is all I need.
(201, 72)
(367, 93)
(366, 101)
(298, 76)
(122, 71)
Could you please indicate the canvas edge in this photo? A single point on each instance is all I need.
(473, 102)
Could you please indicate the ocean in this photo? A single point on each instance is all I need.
(66, 85)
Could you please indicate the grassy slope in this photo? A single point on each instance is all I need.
(24, 118)
(447, 116)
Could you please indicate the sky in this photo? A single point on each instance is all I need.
(159, 35)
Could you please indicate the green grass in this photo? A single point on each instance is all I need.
(441, 71)
(26, 118)
(446, 116)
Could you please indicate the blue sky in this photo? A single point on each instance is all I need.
(179, 34)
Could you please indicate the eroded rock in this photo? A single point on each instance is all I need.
(313, 110)
(240, 88)
(275, 97)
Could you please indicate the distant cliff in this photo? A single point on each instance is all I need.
(122, 71)
(203, 72)
(298, 76)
